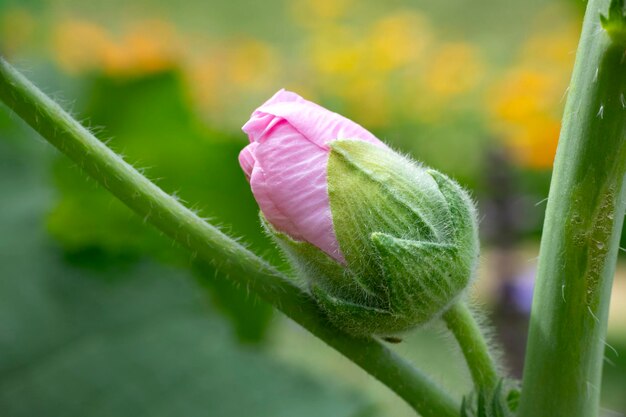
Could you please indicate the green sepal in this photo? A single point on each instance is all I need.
(408, 235)
(420, 276)
(499, 402)
(407, 232)
(338, 292)
(358, 319)
(315, 268)
(463, 229)
(375, 189)
(305, 258)
(615, 22)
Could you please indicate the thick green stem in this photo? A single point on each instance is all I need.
(466, 330)
(581, 235)
(209, 243)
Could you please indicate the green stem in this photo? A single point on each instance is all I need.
(209, 243)
(581, 235)
(466, 330)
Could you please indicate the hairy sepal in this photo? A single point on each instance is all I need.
(408, 234)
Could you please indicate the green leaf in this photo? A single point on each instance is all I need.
(146, 344)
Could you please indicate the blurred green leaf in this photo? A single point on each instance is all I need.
(146, 344)
(151, 123)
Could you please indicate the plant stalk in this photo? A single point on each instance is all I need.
(581, 234)
(466, 330)
(209, 243)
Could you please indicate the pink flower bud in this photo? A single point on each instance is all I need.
(286, 164)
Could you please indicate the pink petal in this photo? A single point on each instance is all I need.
(247, 159)
(316, 123)
(289, 184)
(260, 125)
(286, 164)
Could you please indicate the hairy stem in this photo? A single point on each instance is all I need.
(462, 324)
(581, 234)
(209, 243)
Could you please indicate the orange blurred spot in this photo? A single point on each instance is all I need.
(336, 51)
(203, 77)
(534, 146)
(147, 47)
(398, 39)
(558, 48)
(80, 46)
(526, 105)
(310, 13)
(455, 69)
(251, 63)
(16, 29)
(523, 94)
(368, 99)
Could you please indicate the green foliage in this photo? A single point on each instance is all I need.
(152, 124)
(73, 343)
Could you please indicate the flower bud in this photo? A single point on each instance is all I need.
(384, 243)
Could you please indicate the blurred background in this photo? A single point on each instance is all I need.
(102, 316)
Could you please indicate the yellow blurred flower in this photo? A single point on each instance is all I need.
(223, 76)
(16, 28)
(397, 40)
(251, 63)
(82, 46)
(526, 104)
(367, 67)
(148, 46)
(382, 71)
(554, 49)
(336, 51)
(310, 13)
(203, 75)
(535, 144)
(455, 68)
(368, 99)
